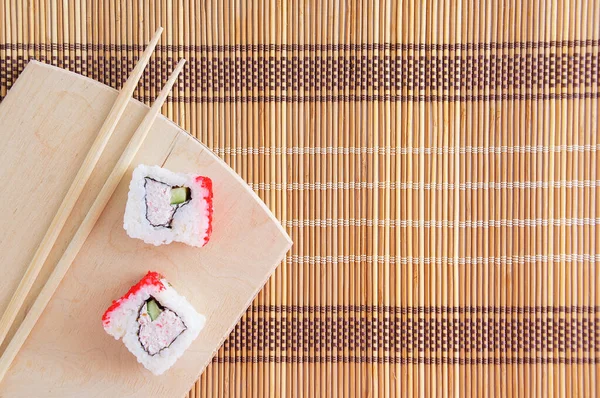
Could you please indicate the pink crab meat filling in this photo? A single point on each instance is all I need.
(159, 334)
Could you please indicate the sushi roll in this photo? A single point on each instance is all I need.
(163, 207)
(156, 324)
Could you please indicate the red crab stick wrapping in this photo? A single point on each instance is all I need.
(205, 183)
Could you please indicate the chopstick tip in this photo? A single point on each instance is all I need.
(158, 32)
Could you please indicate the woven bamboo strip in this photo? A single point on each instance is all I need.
(3, 50)
(590, 109)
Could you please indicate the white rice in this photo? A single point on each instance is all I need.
(191, 221)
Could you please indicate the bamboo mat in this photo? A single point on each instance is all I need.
(435, 163)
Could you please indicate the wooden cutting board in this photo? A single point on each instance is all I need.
(47, 123)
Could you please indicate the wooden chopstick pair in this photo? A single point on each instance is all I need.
(68, 204)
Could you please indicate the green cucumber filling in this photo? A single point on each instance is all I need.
(180, 195)
(153, 309)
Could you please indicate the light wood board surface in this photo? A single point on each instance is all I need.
(47, 123)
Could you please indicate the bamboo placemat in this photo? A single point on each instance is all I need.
(435, 163)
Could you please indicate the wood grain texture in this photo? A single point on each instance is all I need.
(68, 353)
(59, 271)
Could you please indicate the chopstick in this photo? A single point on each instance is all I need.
(86, 226)
(86, 169)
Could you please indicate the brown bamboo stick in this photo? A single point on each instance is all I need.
(494, 203)
(380, 190)
(467, 200)
(550, 117)
(580, 274)
(262, 171)
(503, 234)
(134, 26)
(303, 379)
(111, 33)
(192, 90)
(118, 19)
(273, 123)
(522, 293)
(181, 38)
(237, 131)
(530, 198)
(537, 197)
(323, 244)
(483, 140)
(89, 54)
(562, 241)
(347, 207)
(251, 29)
(408, 286)
(594, 108)
(17, 6)
(434, 384)
(340, 279)
(546, 376)
(386, 166)
(329, 236)
(81, 37)
(7, 52)
(220, 132)
(318, 234)
(311, 287)
(104, 41)
(288, 206)
(446, 262)
(10, 22)
(97, 38)
(395, 213)
(198, 389)
(296, 348)
(21, 29)
(523, 378)
(243, 123)
(575, 244)
(281, 142)
(3, 45)
(470, 172)
(350, 369)
(511, 212)
(209, 380)
(32, 29)
(229, 107)
(29, 30)
(366, 207)
(568, 202)
(587, 266)
(202, 39)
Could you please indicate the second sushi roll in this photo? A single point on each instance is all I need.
(156, 324)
